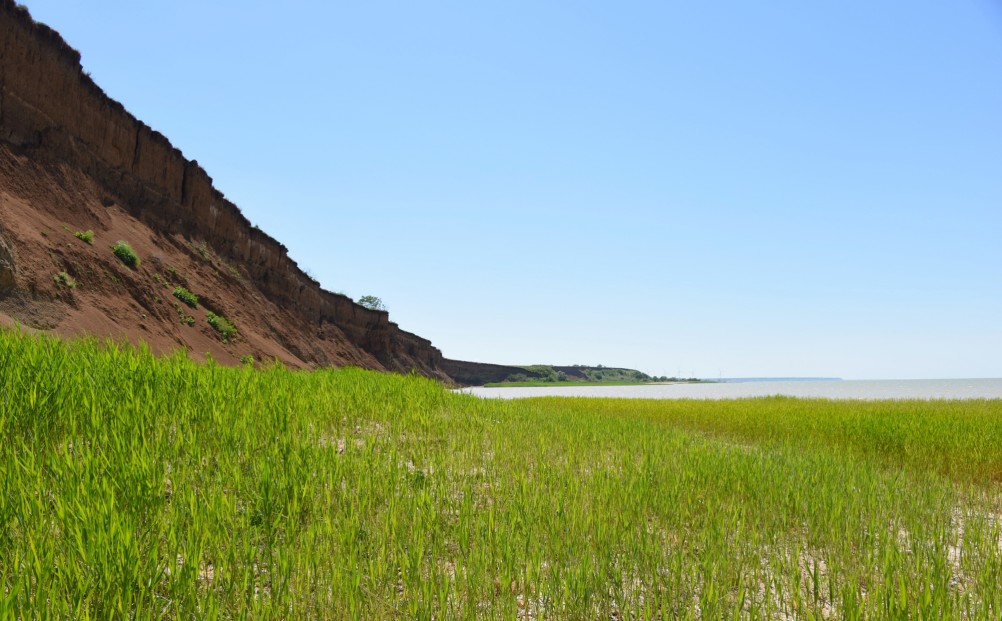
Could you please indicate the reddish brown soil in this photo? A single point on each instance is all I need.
(42, 204)
(73, 159)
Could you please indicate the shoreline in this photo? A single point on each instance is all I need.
(866, 390)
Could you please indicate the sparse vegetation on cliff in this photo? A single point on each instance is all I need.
(203, 250)
(85, 236)
(227, 331)
(125, 180)
(186, 296)
(175, 275)
(65, 280)
(184, 317)
(126, 254)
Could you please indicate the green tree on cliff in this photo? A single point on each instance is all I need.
(371, 301)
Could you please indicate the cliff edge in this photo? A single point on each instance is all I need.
(73, 161)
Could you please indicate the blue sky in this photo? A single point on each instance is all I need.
(727, 188)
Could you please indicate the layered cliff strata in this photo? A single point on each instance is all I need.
(70, 156)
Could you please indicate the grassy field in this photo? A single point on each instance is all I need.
(135, 487)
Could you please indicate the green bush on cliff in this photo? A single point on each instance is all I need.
(186, 296)
(65, 280)
(127, 255)
(227, 331)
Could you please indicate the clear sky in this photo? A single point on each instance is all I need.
(707, 188)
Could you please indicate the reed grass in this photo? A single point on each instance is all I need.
(141, 487)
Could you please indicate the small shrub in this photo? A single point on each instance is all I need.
(187, 320)
(186, 296)
(247, 360)
(87, 236)
(127, 255)
(175, 277)
(64, 279)
(227, 331)
(159, 279)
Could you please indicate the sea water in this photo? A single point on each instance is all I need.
(827, 389)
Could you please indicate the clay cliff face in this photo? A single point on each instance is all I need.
(69, 153)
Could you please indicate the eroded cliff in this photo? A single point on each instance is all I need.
(70, 156)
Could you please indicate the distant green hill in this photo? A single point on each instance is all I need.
(544, 374)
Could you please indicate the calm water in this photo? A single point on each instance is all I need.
(844, 389)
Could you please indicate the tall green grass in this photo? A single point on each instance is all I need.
(137, 487)
(958, 438)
